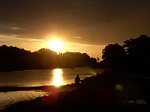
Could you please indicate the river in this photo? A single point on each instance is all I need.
(38, 77)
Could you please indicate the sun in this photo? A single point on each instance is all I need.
(56, 45)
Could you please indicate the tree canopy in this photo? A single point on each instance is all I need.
(113, 54)
(133, 55)
(13, 58)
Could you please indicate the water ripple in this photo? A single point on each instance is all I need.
(8, 98)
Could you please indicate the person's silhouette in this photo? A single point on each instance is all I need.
(77, 80)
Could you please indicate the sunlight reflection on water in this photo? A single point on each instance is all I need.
(45, 77)
(57, 77)
(31, 78)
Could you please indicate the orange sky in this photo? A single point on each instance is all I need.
(36, 44)
(83, 25)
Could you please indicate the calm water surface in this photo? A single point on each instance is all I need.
(28, 78)
(59, 76)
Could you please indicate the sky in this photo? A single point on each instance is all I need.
(85, 26)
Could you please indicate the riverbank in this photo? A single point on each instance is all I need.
(104, 92)
(38, 88)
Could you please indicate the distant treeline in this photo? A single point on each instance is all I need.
(13, 58)
(133, 56)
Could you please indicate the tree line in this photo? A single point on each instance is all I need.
(13, 58)
(132, 57)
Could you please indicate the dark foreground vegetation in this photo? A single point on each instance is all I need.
(132, 57)
(125, 81)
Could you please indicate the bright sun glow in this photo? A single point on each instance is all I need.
(57, 77)
(56, 45)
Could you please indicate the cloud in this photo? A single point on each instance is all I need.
(78, 37)
(7, 29)
(98, 21)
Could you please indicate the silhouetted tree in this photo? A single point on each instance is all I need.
(138, 52)
(13, 58)
(47, 58)
(77, 59)
(113, 55)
